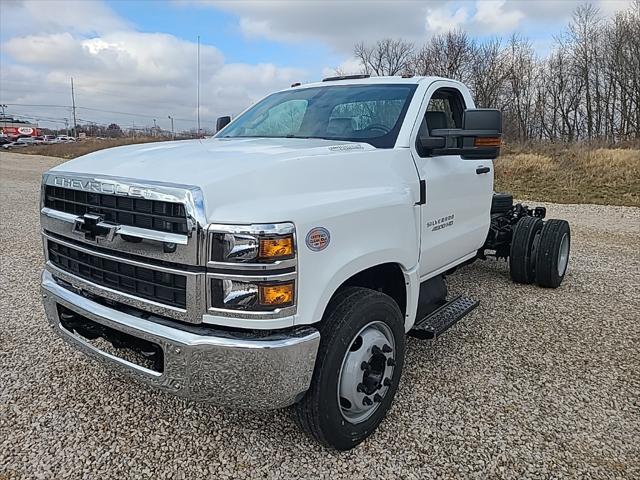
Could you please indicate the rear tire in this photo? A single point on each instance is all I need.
(325, 413)
(553, 253)
(522, 257)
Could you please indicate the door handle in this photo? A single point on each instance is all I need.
(481, 170)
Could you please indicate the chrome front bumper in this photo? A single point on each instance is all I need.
(224, 368)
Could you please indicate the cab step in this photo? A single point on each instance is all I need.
(437, 322)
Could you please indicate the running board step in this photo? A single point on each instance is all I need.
(437, 322)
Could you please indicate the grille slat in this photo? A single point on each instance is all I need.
(163, 287)
(136, 212)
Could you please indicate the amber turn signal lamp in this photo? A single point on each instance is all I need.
(487, 142)
(280, 295)
(275, 248)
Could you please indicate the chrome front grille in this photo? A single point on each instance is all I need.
(140, 244)
(136, 212)
(162, 287)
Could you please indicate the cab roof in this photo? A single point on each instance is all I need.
(359, 80)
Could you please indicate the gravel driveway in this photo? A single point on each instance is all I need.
(533, 384)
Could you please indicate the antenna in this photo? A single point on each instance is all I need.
(198, 86)
(73, 102)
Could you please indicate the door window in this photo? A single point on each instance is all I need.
(444, 110)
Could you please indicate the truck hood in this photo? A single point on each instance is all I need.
(240, 177)
(195, 162)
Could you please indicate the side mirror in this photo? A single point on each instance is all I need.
(222, 122)
(479, 138)
(482, 133)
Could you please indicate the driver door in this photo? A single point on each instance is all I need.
(456, 214)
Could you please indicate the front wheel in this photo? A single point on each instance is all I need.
(357, 370)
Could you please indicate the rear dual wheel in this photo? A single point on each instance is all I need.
(357, 370)
(552, 256)
(540, 251)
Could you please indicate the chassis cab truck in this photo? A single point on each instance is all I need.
(284, 261)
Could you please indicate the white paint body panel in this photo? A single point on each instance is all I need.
(365, 197)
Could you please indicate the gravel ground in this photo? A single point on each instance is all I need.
(533, 384)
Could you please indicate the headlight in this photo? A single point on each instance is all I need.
(252, 270)
(252, 243)
(252, 296)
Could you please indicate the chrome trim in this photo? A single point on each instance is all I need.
(196, 296)
(282, 277)
(219, 367)
(190, 249)
(283, 228)
(258, 267)
(254, 229)
(131, 231)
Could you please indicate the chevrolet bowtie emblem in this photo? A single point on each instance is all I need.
(92, 226)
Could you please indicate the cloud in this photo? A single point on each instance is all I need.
(342, 24)
(492, 14)
(152, 75)
(440, 21)
(21, 17)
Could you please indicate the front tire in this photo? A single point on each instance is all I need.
(358, 368)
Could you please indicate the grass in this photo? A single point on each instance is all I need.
(546, 172)
(82, 147)
(575, 174)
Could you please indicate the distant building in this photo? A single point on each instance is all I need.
(17, 128)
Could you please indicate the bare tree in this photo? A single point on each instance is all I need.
(588, 87)
(447, 55)
(386, 57)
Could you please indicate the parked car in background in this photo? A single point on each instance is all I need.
(50, 139)
(66, 139)
(21, 142)
(4, 140)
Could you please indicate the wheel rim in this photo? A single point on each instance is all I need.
(563, 255)
(366, 372)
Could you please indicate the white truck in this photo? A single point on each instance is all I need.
(284, 261)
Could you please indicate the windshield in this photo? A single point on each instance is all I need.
(356, 113)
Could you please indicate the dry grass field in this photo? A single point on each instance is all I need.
(84, 146)
(552, 173)
(572, 175)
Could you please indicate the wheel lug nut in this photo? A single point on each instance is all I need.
(376, 350)
(377, 398)
(386, 348)
(386, 382)
(360, 387)
(391, 362)
(365, 366)
(367, 401)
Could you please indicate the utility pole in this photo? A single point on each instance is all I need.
(4, 118)
(73, 103)
(198, 87)
(155, 128)
(66, 125)
(173, 135)
(133, 129)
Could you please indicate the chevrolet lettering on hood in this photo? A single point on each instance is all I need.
(96, 186)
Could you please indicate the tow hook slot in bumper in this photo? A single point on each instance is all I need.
(243, 370)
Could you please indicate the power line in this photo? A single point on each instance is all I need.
(95, 110)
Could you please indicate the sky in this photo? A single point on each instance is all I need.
(134, 62)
